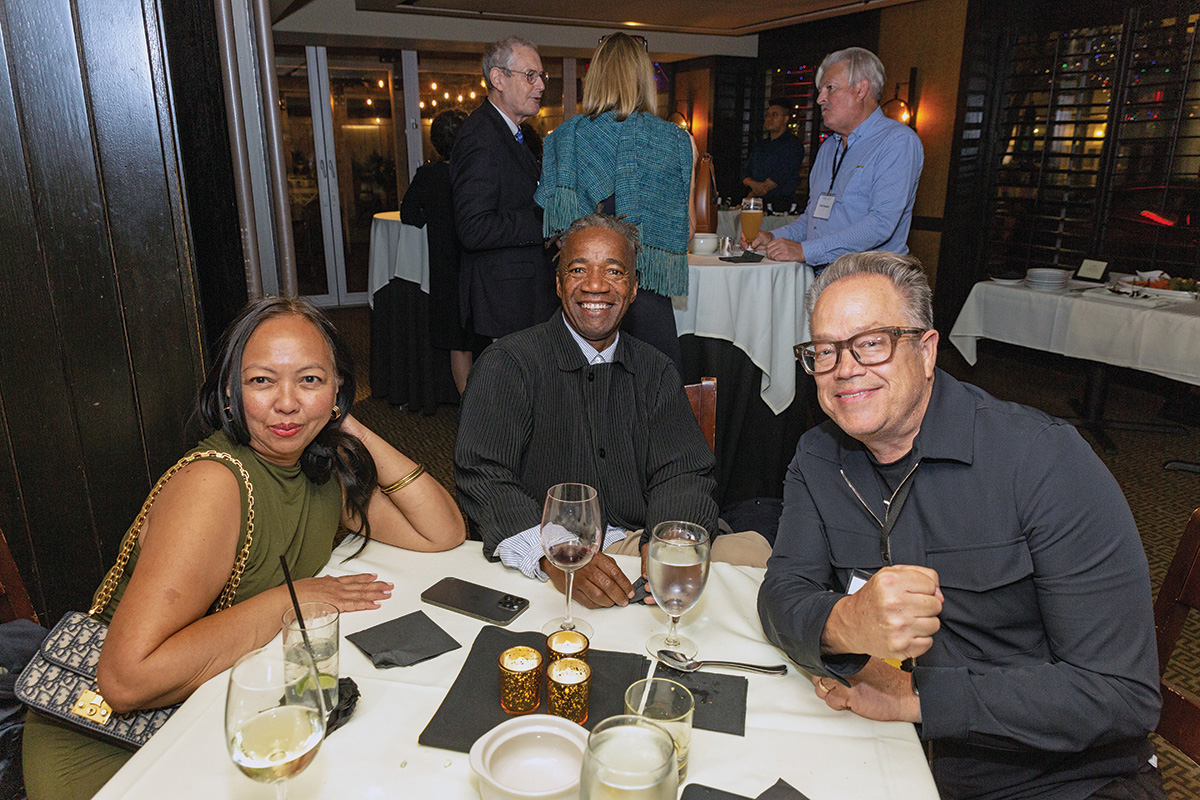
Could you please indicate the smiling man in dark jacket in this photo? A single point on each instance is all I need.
(981, 543)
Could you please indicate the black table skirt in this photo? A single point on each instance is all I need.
(754, 445)
(405, 368)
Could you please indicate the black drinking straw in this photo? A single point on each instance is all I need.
(287, 576)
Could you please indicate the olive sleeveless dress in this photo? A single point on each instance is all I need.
(293, 517)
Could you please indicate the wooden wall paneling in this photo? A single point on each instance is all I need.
(101, 427)
(194, 74)
(45, 497)
(151, 263)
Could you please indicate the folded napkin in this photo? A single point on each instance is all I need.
(747, 257)
(403, 641)
(781, 790)
(472, 706)
(1104, 294)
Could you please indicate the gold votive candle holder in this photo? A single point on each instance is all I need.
(566, 644)
(520, 680)
(568, 681)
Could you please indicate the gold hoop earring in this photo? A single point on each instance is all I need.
(335, 414)
(228, 413)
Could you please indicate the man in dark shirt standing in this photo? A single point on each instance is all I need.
(506, 278)
(773, 168)
(981, 543)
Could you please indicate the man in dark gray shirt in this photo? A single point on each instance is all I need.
(981, 543)
(575, 400)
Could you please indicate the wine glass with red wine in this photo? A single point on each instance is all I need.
(571, 535)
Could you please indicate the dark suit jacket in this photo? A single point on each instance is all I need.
(506, 279)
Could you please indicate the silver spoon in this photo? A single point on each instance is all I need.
(677, 660)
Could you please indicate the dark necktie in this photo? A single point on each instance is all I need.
(520, 137)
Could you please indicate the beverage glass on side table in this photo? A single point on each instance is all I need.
(677, 570)
(571, 535)
(752, 214)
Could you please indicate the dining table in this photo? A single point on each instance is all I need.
(738, 324)
(1153, 333)
(405, 368)
(729, 222)
(788, 732)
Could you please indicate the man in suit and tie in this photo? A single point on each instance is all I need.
(507, 280)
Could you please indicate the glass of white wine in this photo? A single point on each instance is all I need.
(676, 570)
(274, 717)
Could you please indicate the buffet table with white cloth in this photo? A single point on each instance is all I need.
(1087, 321)
(729, 222)
(789, 732)
(405, 367)
(1081, 322)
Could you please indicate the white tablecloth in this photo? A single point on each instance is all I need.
(758, 307)
(789, 732)
(1086, 325)
(729, 223)
(397, 251)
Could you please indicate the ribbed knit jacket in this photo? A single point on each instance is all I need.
(535, 414)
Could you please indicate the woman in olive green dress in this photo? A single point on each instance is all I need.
(278, 399)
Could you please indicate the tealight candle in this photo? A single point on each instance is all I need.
(520, 680)
(568, 681)
(566, 644)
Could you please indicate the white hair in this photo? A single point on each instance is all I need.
(860, 64)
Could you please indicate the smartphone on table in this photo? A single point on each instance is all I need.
(480, 602)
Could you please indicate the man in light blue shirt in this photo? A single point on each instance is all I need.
(864, 179)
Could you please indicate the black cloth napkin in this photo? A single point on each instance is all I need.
(782, 790)
(720, 699)
(472, 706)
(747, 257)
(403, 641)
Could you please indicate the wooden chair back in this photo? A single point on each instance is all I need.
(705, 199)
(14, 599)
(703, 397)
(1180, 593)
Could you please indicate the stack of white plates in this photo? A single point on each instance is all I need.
(1047, 280)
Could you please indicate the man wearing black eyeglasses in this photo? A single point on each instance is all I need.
(979, 545)
(506, 278)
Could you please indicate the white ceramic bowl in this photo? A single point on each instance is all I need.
(704, 243)
(534, 757)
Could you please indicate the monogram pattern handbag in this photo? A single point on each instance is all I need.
(60, 680)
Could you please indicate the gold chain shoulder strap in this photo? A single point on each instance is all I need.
(131, 537)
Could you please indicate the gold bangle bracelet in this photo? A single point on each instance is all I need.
(406, 480)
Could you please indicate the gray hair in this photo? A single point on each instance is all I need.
(598, 220)
(499, 55)
(860, 64)
(905, 273)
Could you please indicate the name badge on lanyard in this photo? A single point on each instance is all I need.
(824, 207)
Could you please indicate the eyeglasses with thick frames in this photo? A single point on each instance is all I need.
(531, 75)
(869, 348)
(639, 39)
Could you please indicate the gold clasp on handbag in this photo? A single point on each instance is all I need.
(91, 705)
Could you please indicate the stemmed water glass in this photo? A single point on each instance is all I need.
(274, 723)
(676, 569)
(571, 535)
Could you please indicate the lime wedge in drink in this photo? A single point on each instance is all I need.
(325, 680)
